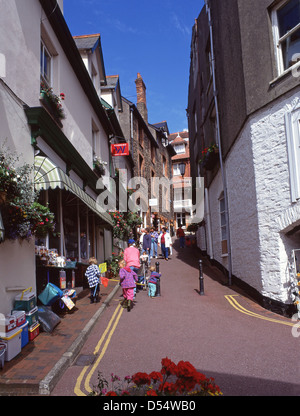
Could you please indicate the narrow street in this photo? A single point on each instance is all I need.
(224, 334)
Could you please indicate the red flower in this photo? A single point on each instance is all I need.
(168, 367)
(141, 378)
(111, 393)
(151, 393)
(156, 376)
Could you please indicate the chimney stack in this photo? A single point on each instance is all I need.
(141, 97)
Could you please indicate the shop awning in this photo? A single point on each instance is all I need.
(48, 175)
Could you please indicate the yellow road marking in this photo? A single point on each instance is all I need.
(77, 389)
(241, 309)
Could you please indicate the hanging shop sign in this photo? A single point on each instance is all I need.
(121, 149)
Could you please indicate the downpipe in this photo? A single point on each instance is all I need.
(223, 173)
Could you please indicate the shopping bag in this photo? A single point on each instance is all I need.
(50, 294)
(104, 281)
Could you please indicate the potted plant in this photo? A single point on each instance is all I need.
(52, 102)
(99, 166)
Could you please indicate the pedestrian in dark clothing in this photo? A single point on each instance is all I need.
(147, 244)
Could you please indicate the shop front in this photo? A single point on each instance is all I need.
(81, 230)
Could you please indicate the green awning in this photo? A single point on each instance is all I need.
(48, 175)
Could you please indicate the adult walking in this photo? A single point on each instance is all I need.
(180, 233)
(165, 242)
(132, 256)
(147, 244)
(154, 241)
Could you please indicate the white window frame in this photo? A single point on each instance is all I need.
(47, 80)
(278, 41)
(292, 123)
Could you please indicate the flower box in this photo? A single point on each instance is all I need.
(210, 160)
(51, 108)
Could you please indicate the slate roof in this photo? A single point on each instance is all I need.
(87, 41)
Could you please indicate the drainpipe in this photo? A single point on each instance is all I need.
(223, 173)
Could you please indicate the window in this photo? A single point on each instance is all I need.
(164, 162)
(141, 136)
(179, 148)
(223, 224)
(141, 165)
(95, 140)
(153, 154)
(181, 220)
(286, 29)
(46, 63)
(176, 170)
(292, 122)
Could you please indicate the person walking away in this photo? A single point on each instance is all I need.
(147, 244)
(93, 276)
(132, 257)
(180, 233)
(128, 279)
(154, 240)
(165, 241)
(152, 282)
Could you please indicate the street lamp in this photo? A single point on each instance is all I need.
(2, 230)
(182, 169)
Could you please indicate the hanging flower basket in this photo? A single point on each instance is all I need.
(23, 217)
(210, 157)
(99, 166)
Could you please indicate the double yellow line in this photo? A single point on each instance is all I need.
(231, 299)
(110, 329)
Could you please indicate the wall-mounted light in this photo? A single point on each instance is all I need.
(182, 169)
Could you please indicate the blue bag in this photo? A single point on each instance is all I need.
(50, 294)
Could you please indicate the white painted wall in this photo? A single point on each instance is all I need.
(20, 36)
(260, 208)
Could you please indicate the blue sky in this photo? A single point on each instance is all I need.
(150, 37)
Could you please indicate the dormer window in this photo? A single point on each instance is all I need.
(179, 148)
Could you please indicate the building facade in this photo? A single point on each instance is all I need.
(243, 112)
(44, 64)
(151, 154)
(183, 212)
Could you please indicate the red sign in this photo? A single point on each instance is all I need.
(121, 149)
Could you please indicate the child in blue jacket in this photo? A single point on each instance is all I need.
(152, 282)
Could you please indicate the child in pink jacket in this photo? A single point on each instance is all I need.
(128, 279)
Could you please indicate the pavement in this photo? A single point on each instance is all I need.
(38, 367)
(41, 363)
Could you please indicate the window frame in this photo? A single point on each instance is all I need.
(292, 123)
(279, 40)
(47, 80)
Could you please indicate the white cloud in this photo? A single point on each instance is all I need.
(185, 30)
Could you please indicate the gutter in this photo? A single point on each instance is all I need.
(223, 172)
